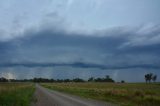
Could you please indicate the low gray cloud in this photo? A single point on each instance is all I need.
(112, 49)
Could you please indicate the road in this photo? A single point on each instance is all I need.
(47, 97)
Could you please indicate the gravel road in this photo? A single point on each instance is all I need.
(46, 97)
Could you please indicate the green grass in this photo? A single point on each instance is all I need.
(16, 94)
(138, 94)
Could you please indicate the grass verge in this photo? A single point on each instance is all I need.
(16, 94)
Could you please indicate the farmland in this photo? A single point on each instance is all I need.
(16, 94)
(135, 94)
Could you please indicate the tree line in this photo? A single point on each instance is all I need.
(148, 78)
(91, 79)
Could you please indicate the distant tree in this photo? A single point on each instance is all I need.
(147, 77)
(39, 80)
(91, 79)
(2, 79)
(106, 79)
(150, 77)
(52, 80)
(67, 80)
(99, 80)
(59, 80)
(122, 81)
(154, 78)
(78, 80)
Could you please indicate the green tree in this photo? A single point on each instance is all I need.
(154, 78)
(91, 79)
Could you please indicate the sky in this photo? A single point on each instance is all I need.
(80, 38)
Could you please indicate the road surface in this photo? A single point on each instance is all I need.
(47, 97)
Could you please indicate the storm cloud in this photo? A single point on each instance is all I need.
(102, 50)
(58, 46)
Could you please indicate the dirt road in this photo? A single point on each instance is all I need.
(46, 97)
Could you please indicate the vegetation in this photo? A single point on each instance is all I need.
(139, 94)
(125, 94)
(38, 80)
(106, 79)
(149, 77)
(2, 79)
(16, 94)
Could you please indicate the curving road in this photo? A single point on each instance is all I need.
(46, 97)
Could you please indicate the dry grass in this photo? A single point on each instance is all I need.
(124, 94)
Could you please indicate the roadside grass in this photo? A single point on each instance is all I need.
(16, 94)
(131, 94)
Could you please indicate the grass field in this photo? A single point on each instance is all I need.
(16, 94)
(138, 94)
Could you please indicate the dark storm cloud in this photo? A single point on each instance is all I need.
(78, 65)
(49, 51)
(114, 48)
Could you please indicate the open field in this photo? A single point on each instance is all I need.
(16, 94)
(138, 94)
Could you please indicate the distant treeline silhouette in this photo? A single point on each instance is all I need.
(91, 79)
(150, 77)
